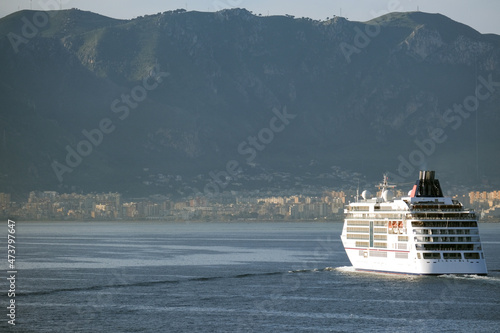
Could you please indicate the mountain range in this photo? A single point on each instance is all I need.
(90, 103)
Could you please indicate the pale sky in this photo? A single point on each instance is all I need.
(482, 15)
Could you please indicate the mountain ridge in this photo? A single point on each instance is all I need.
(356, 94)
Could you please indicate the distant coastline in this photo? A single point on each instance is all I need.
(226, 207)
(339, 220)
(172, 221)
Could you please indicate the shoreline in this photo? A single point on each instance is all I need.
(200, 221)
(178, 221)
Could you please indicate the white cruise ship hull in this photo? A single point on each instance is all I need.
(391, 264)
(424, 233)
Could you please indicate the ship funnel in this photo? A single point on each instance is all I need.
(427, 185)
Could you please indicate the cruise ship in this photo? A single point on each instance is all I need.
(424, 233)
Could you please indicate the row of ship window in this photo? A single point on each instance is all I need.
(366, 223)
(365, 229)
(450, 228)
(444, 224)
(381, 245)
(445, 231)
(415, 224)
(379, 230)
(437, 239)
(425, 207)
(434, 239)
(376, 237)
(382, 254)
(448, 247)
(424, 247)
(420, 216)
(449, 255)
(425, 255)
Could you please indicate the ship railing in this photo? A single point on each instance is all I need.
(447, 247)
(439, 210)
(440, 224)
(447, 240)
(440, 231)
(429, 216)
(374, 216)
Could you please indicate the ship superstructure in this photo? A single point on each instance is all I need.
(423, 233)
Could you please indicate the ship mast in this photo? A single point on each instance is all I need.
(357, 192)
(385, 184)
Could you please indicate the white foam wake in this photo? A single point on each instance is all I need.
(345, 269)
(472, 277)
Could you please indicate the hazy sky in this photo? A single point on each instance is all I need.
(482, 15)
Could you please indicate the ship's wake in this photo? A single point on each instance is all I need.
(492, 278)
(172, 281)
(345, 269)
(314, 270)
(146, 283)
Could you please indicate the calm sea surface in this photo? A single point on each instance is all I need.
(229, 277)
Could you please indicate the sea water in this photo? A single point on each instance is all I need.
(229, 277)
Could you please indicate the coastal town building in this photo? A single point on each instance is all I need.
(226, 206)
